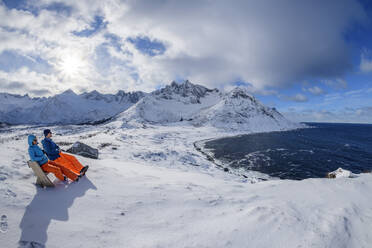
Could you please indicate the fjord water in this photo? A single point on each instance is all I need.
(299, 154)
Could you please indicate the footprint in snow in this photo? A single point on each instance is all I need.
(4, 224)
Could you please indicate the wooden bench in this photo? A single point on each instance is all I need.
(42, 178)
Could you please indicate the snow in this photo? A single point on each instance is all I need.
(340, 173)
(155, 186)
(151, 188)
(64, 108)
(185, 102)
(196, 105)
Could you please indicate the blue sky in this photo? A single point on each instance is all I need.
(312, 60)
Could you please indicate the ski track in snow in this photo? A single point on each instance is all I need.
(151, 188)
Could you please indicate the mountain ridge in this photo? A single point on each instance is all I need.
(65, 108)
(199, 106)
(176, 102)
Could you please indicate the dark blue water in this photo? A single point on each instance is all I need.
(299, 154)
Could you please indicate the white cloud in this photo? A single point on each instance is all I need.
(299, 98)
(267, 44)
(332, 97)
(345, 115)
(366, 61)
(316, 90)
(337, 83)
(296, 98)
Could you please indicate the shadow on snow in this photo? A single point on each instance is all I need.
(49, 204)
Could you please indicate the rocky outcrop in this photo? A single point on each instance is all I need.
(186, 90)
(84, 150)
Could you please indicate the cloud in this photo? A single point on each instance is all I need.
(266, 44)
(24, 81)
(236, 41)
(337, 83)
(316, 91)
(97, 25)
(332, 97)
(345, 115)
(296, 98)
(10, 86)
(40, 92)
(366, 61)
(11, 60)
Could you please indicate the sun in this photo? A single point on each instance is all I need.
(71, 65)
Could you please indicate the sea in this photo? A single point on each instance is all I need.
(298, 154)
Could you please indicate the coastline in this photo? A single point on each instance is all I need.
(255, 176)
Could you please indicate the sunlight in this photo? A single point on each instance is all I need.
(71, 65)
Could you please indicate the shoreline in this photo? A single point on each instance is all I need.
(199, 146)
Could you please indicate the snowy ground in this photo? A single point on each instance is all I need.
(151, 188)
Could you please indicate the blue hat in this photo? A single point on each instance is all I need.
(46, 132)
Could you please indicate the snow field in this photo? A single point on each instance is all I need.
(151, 188)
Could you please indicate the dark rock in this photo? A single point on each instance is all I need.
(95, 123)
(84, 150)
(226, 169)
(64, 143)
(210, 158)
(185, 89)
(103, 145)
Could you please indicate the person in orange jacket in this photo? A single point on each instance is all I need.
(55, 154)
(60, 171)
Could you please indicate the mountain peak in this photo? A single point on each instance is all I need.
(240, 92)
(94, 92)
(185, 90)
(68, 92)
(120, 93)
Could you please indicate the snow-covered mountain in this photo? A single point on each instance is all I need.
(174, 103)
(200, 106)
(241, 111)
(177, 102)
(65, 108)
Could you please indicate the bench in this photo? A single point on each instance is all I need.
(42, 178)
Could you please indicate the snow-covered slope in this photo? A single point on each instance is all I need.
(237, 109)
(65, 108)
(185, 102)
(150, 188)
(174, 103)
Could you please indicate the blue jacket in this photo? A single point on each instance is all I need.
(36, 154)
(51, 148)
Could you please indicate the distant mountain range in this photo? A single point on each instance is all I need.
(65, 108)
(177, 102)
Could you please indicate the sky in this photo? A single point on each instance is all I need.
(311, 60)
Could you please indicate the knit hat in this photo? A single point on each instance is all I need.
(46, 132)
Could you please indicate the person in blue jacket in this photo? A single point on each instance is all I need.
(55, 154)
(37, 155)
